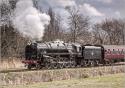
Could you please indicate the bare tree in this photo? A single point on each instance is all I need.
(52, 31)
(78, 24)
(122, 26)
(110, 31)
(12, 44)
(114, 29)
(99, 35)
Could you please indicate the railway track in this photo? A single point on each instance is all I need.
(25, 69)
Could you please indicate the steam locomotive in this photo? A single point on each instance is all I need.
(57, 54)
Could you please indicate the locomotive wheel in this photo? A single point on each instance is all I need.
(55, 65)
(61, 66)
(38, 66)
(66, 65)
(48, 66)
(96, 63)
(85, 63)
(72, 65)
(58, 66)
(69, 65)
(91, 63)
(29, 67)
(82, 64)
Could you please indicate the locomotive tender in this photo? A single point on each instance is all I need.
(57, 54)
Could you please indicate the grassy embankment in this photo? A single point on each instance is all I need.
(38, 76)
(108, 81)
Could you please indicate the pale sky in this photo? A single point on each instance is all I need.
(97, 10)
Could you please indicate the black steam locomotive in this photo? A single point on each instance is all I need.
(57, 54)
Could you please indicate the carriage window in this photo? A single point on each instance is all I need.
(116, 51)
(109, 51)
(122, 51)
(113, 51)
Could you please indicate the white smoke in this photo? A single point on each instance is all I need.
(28, 20)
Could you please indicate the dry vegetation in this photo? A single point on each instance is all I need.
(29, 77)
(108, 81)
(11, 63)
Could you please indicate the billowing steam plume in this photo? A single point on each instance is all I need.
(29, 21)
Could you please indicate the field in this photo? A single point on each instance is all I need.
(108, 81)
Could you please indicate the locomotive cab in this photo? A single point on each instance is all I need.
(31, 51)
(31, 56)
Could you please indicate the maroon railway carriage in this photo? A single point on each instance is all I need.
(114, 53)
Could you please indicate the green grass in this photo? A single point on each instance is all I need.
(108, 81)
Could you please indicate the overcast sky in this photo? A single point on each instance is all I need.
(97, 10)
